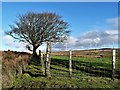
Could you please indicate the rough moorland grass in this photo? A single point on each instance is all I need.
(26, 81)
(60, 79)
(33, 77)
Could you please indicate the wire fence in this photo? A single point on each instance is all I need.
(98, 63)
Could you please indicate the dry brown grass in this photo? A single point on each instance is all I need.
(12, 64)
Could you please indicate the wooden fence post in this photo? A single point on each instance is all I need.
(70, 63)
(47, 62)
(113, 64)
(42, 61)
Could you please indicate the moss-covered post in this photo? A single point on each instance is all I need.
(47, 62)
(70, 63)
(113, 64)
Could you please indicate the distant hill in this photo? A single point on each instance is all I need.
(104, 52)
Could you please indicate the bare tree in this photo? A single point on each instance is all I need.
(36, 28)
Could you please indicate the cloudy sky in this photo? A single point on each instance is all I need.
(92, 24)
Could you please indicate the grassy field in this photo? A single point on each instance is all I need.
(88, 72)
(60, 79)
(92, 66)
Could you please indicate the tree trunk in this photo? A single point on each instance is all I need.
(47, 62)
(35, 58)
(34, 52)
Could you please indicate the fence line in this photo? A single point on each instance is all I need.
(88, 67)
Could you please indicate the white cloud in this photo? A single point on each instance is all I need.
(42, 48)
(89, 39)
(95, 38)
(86, 40)
(101, 38)
(67, 44)
(10, 43)
(8, 40)
(113, 22)
(112, 32)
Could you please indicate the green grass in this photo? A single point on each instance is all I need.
(34, 78)
(105, 63)
(63, 82)
(83, 81)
